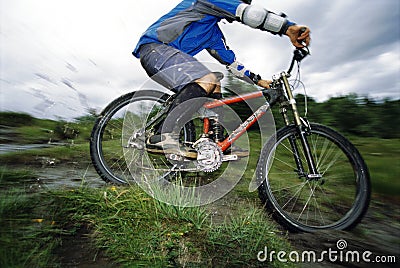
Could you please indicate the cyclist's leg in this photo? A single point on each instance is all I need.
(200, 88)
(181, 110)
(179, 113)
(181, 73)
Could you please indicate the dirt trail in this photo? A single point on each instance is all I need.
(378, 233)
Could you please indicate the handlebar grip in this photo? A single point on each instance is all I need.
(302, 30)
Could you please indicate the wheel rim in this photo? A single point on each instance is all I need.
(116, 129)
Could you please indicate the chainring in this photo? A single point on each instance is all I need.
(209, 156)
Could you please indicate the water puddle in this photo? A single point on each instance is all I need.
(48, 173)
(9, 148)
(56, 178)
(61, 177)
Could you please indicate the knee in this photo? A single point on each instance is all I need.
(209, 83)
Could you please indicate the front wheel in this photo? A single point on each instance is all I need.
(337, 199)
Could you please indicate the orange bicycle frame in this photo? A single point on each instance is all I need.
(238, 132)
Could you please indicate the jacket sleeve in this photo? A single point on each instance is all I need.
(219, 50)
(219, 8)
(229, 6)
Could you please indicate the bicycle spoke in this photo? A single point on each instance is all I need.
(295, 194)
(286, 163)
(332, 206)
(308, 200)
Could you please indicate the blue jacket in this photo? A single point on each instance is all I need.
(192, 26)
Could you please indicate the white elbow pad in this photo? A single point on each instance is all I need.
(260, 18)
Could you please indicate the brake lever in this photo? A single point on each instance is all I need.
(301, 53)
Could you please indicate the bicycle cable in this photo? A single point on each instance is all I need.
(296, 82)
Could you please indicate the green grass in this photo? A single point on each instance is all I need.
(28, 234)
(13, 175)
(137, 230)
(25, 129)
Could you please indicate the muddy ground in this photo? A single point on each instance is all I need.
(378, 233)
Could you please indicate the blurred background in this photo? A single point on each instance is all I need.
(61, 58)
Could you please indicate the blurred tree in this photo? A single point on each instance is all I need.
(387, 119)
(352, 114)
(15, 119)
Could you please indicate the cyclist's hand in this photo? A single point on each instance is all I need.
(297, 38)
(264, 83)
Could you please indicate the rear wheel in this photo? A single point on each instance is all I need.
(336, 200)
(118, 136)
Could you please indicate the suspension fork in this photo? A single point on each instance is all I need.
(302, 129)
(292, 140)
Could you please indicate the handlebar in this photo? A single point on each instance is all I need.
(298, 55)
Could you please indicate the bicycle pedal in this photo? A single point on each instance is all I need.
(136, 145)
(177, 158)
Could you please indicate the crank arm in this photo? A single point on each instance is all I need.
(231, 157)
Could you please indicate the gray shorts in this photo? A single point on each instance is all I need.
(170, 67)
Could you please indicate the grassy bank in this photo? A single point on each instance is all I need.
(135, 229)
(131, 228)
(24, 129)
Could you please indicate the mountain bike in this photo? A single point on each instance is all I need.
(308, 175)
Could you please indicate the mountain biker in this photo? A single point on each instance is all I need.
(167, 47)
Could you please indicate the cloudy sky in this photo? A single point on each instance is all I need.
(61, 57)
